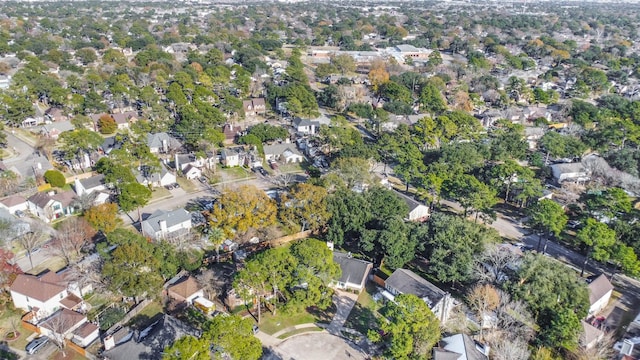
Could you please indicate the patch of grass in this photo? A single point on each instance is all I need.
(159, 193)
(290, 168)
(271, 324)
(149, 312)
(53, 263)
(234, 173)
(186, 184)
(300, 331)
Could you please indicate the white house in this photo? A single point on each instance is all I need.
(50, 206)
(191, 172)
(404, 281)
(233, 156)
(41, 295)
(163, 224)
(417, 211)
(569, 172)
(14, 203)
(89, 185)
(600, 290)
(86, 334)
(61, 324)
(162, 143)
(460, 347)
(162, 178)
(306, 126)
(286, 153)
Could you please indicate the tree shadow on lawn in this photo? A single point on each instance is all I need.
(362, 319)
(323, 316)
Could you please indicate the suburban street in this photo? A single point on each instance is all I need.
(21, 150)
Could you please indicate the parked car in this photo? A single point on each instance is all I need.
(169, 187)
(255, 329)
(36, 344)
(20, 213)
(175, 185)
(203, 179)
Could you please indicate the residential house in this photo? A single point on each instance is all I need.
(230, 133)
(191, 172)
(5, 81)
(53, 130)
(574, 172)
(162, 143)
(306, 126)
(286, 153)
(14, 203)
(44, 294)
(149, 343)
(233, 156)
(417, 211)
(185, 290)
(354, 272)
(55, 115)
(184, 160)
(32, 121)
(34, 166)
(62, 324)
(86, 334)
(253, 107)
(590, 335)
(532, 135)
(164, 224)
(51, 205)
(93, 185)
(600, 290)
(125, 119)
(89, 185)
(160, 178)
(404, 281)
(460, 347)
(111, 143)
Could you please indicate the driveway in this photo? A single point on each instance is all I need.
(344, 303)
(20, 148)
(315, 346)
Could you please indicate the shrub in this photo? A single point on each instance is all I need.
(55, 178)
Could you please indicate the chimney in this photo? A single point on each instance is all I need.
(177, 163)
(163, 226)
(165, 146)
(39, 166)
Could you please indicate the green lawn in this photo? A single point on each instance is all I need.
(186, 184)
(148, 313)
(290, 168)
(271, 324)
(159, 193)
(364, 315)
(234, 173)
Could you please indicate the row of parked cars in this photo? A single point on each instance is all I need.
(172, 186)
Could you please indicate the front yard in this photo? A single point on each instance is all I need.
(272, 324)
(364, 315)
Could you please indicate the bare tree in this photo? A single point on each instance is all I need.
(513, 319)
(85, 201)
(283, 180)
(493, 264)
(58, 324)
(31, 241)
(507, 349)
(87, 273)
(601, 350)
(73, 234)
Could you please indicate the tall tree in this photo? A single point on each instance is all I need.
(599, 239)
(103, 217)
(234, 335)
(411, 330)
(238, 210)
(133, 196)
(547, 217)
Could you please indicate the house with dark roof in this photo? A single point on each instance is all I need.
(164, 224)
(460, 347)
(230, 133)
(417, 211)
(404, 281)
(111, 143)
(600, 290)
(162, 143)
(306, 126)
(44, 294)
(148, 343)
(253, 107)
(354, 272)
(185, 290)
(89, 185)
(52, 205)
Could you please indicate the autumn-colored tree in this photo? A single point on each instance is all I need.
(482, 299)
(106, 124)
(305, 205)
(239, 210)
(9, 269)
(103, 217)
(378, 75)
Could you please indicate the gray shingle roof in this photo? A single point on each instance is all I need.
(598, 288)
(172, 218)
(155, 140)
(461, 345)
(279, 149)
(407, 282)
(92, 182)
(353, 270)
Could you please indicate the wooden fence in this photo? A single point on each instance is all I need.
(133, 312)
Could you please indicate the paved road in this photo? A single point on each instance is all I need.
(20, 148)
